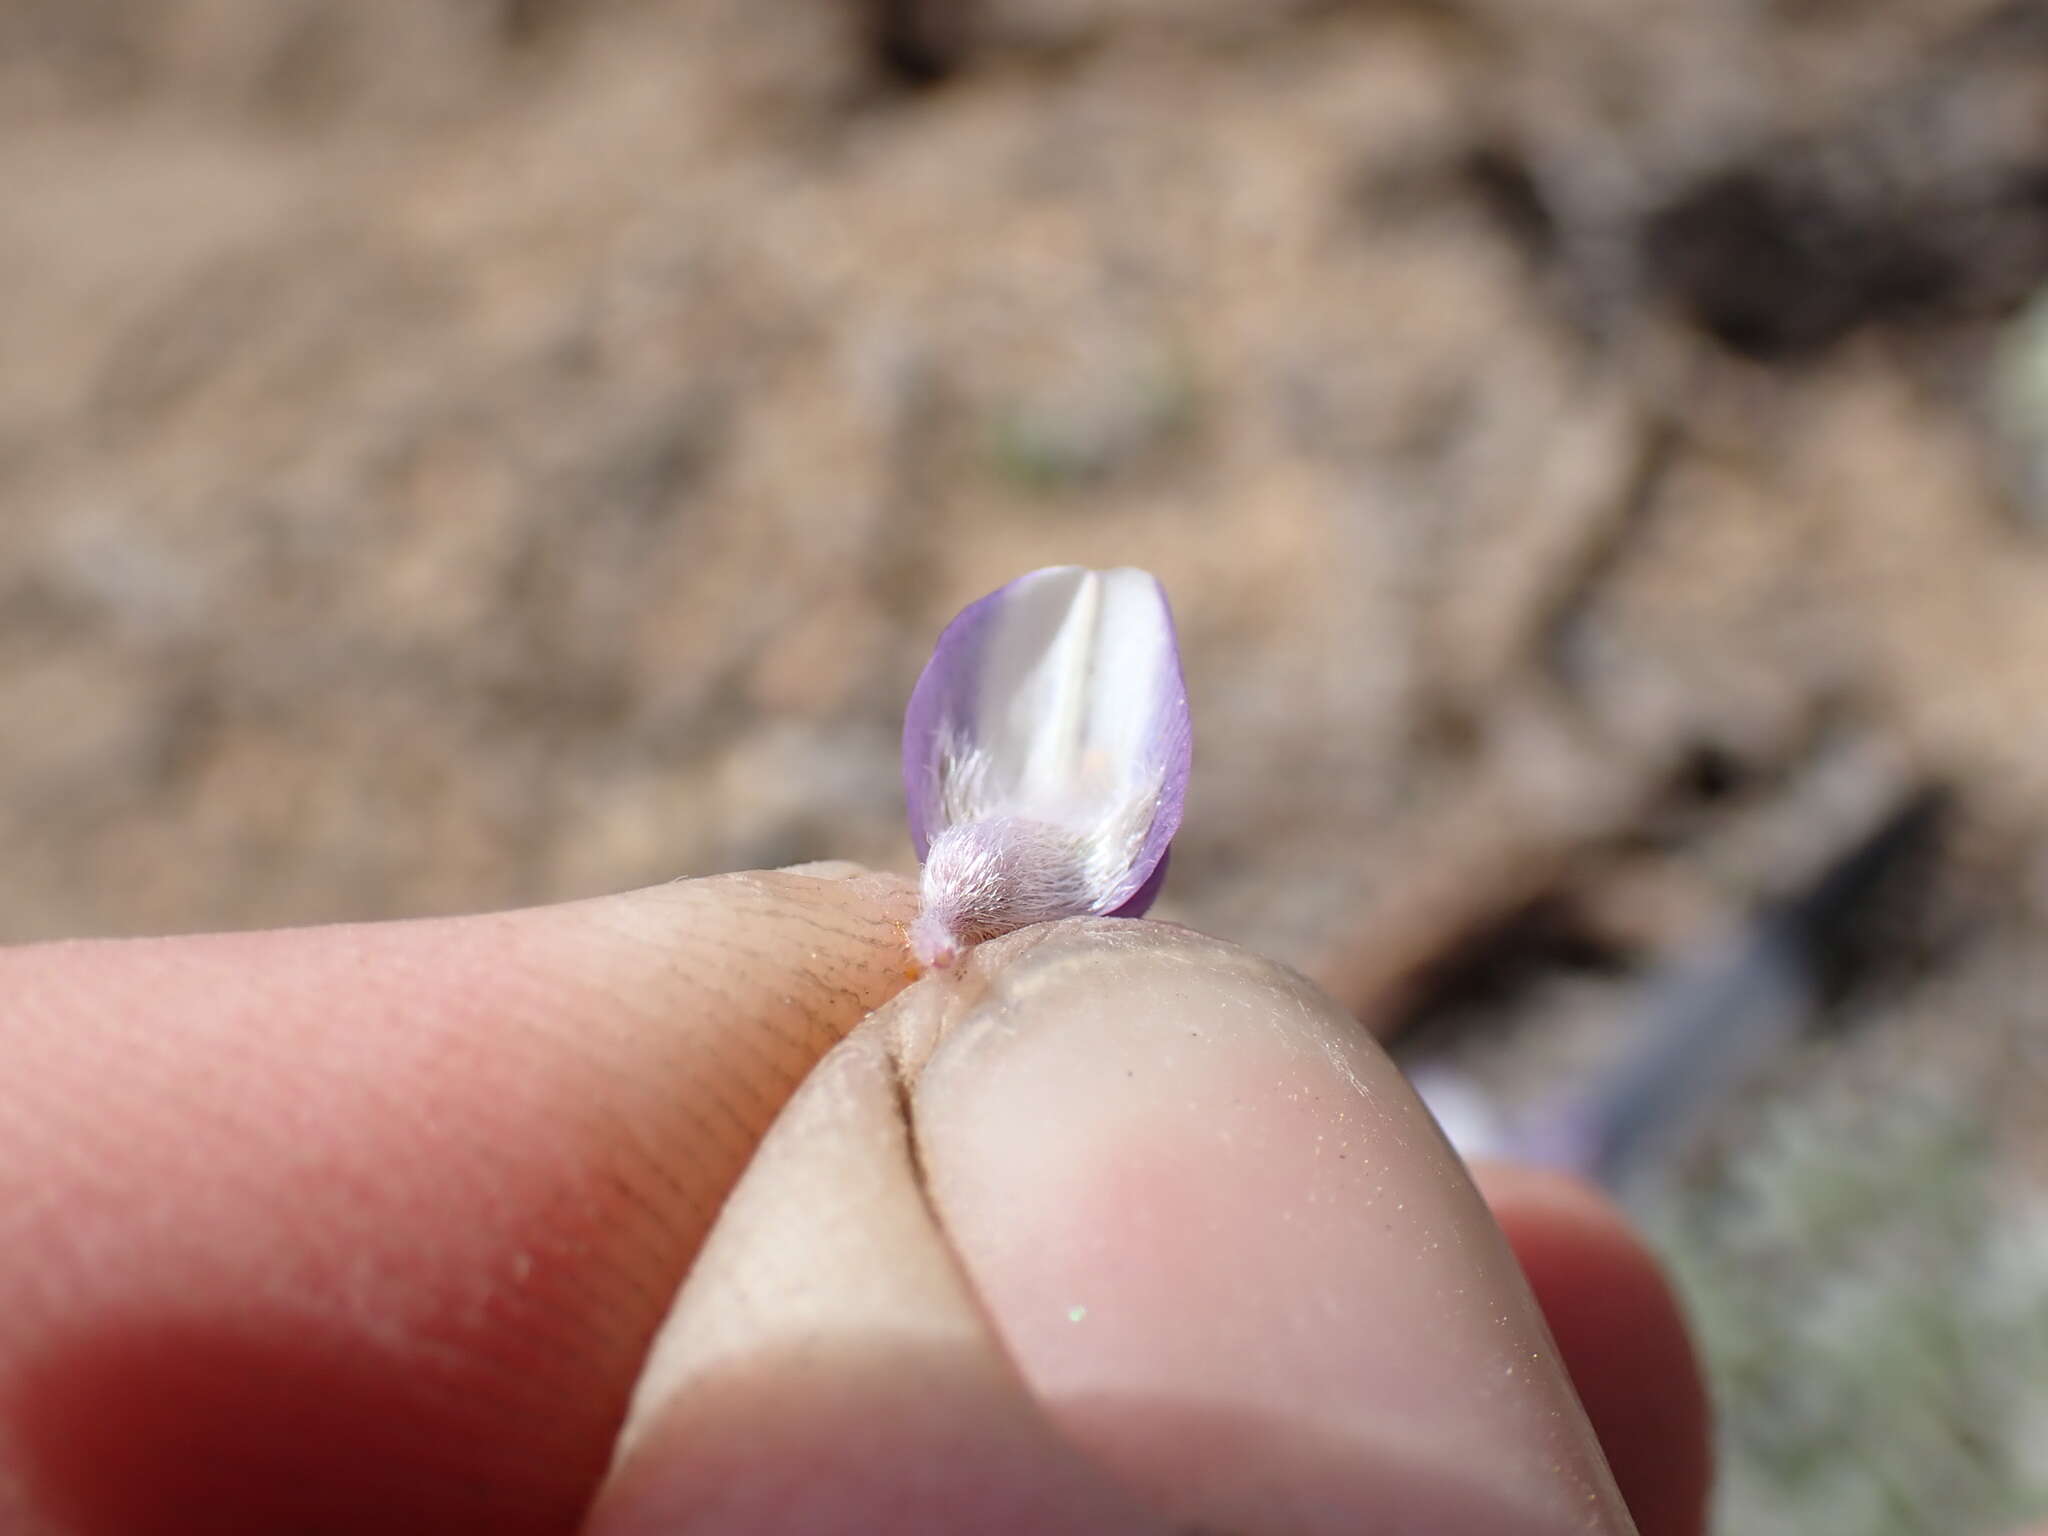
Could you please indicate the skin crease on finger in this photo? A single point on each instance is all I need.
(367, 1228)
(1172, 1205)
(827, 1369)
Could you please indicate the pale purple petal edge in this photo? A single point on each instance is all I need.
(1175, 743)
(1141, 902)
(944, 691)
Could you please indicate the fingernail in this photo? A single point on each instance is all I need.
(1231, 1253)
(827, 869)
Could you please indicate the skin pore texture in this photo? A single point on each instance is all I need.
(1111, 1228)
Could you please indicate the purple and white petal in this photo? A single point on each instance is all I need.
(1045, 756)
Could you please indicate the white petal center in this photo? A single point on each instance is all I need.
(1070, 691)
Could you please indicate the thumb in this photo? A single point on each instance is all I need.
(1119, 1212)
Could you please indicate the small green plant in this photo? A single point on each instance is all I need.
(1050, 446)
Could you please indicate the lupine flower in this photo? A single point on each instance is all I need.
(1045, 757)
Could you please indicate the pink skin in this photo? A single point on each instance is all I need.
(371, 1227)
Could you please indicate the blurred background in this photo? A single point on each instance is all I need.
(456, 453)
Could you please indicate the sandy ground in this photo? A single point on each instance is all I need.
(463, 454)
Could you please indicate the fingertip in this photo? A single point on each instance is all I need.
(1230, 1251)
(385, 1214)
(1622, 1333)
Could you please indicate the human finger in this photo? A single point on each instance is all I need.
(367, 1228)
(1622, 1334)
(827, 1368)
(1223, 1249)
